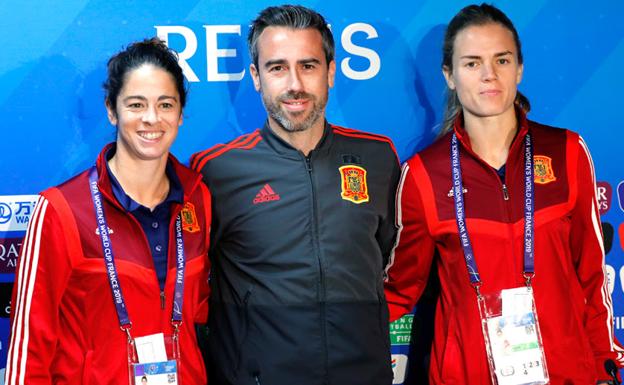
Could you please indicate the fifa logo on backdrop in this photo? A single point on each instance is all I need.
(215, 54)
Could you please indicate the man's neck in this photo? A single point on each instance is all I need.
(304, 141)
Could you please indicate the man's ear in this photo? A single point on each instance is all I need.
(255, 76)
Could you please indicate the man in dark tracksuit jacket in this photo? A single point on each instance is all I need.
(303, 226)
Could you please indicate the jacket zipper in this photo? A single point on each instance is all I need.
(505, 192)
(518, 141)
(506, 207)
(315, 237)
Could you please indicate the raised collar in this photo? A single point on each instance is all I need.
(284, 148)
(523, 129)
(175, 195)
(189, 179)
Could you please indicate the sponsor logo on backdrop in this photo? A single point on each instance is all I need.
(5, 213)
(370, 62)
(401, 330)
(15, 211)
(5, 299)
(399, 367)
(620, 195)
(607, 236)
(610, 278)
(604, 192)
(621, 235)
(9, 250)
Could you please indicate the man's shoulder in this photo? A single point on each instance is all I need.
(376, 141)
(244, 142)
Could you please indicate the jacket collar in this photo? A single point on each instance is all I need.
(188, 178)
(523, 129)
(284, 148)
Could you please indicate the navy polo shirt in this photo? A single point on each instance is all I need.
(501, 173)
(155, 223)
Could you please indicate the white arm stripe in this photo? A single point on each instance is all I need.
(399, 217)
(595, 217)
(18, 351)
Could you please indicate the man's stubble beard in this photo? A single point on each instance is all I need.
(281, 117)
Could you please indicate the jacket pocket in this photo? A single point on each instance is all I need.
(384, 320)
(452, 360)
(243, 334)
(86, 367)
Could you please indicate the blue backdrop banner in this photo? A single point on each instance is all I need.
(388, 81)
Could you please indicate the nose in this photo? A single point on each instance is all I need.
(295, 83)
(488, 72)
(150, 116)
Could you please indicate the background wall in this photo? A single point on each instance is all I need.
(53, 121)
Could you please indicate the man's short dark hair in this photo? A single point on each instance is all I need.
(291, 16)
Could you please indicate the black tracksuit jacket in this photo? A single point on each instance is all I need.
(297, 269)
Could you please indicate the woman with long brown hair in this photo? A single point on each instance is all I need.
(510, 207)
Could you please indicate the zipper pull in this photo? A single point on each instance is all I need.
(505, 192)
(162, 299)
(308, 164)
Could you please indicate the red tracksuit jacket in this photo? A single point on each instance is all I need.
(570, 283)
(64, 324)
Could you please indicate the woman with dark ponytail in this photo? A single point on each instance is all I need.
(112, 275)
(510, 207)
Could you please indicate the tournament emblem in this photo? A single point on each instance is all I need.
(542, 169)
(353, 183)
(189, 219)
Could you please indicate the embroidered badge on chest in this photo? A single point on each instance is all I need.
(189, 219)
(543, 170)
(353, 184)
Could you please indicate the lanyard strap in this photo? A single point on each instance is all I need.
(111, 269)
(460, 214)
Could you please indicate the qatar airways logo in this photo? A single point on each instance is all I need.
(217, 57)
(9, 251)
(604, 192)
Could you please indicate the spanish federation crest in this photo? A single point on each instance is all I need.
(543, 170)
(353, 184)
(189, 219)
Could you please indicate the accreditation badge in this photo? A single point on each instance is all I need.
(512, 336)
(154, 360)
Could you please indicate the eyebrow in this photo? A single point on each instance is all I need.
(141, 97)
(499, 54)
(283, 61)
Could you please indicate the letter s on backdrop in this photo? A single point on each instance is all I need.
(372, 56)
